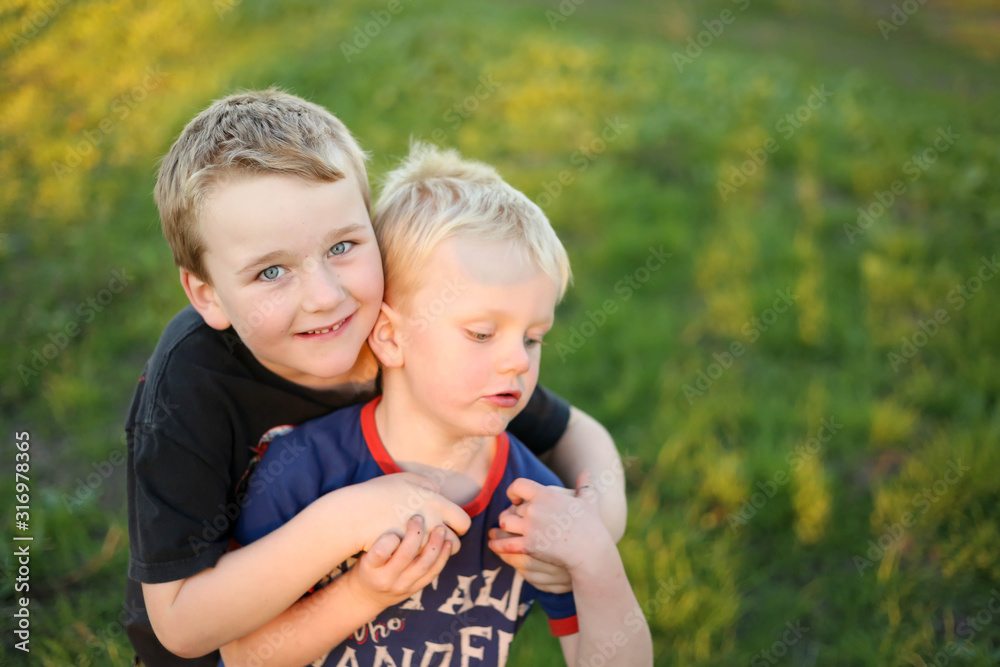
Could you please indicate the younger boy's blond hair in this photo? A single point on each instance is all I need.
(435, 194)
(250, 133)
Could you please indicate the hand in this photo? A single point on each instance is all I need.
(389, 501)
(394, 569)
(543, 576)
(551, 525)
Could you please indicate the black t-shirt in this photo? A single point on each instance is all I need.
(201, 409)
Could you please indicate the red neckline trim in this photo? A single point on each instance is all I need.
(389, 466)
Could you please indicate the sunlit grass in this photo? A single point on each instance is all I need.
(747, 440)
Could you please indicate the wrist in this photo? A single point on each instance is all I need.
(598, 561)
(361, 600)
(342, 523)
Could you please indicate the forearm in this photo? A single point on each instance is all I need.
(305, 631)
(252, 585)
(586, 445)
(609, 616)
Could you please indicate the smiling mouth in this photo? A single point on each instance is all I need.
(316, 332)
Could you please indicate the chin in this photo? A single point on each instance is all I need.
(493, 424)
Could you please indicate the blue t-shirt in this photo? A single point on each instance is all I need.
(469, 614)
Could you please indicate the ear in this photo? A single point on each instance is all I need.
(202, 296)
(387, 337)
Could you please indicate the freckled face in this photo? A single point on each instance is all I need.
(296, 269)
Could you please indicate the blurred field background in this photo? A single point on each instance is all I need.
(810, 484)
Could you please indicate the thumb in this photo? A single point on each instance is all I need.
(382, 549)
(585, 487)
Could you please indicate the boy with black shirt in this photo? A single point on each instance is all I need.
(264, 200)
(474, 272)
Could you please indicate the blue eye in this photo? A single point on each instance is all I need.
(341, 248)
(272, 273)
(532, 342)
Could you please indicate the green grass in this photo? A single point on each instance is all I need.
(695, 458)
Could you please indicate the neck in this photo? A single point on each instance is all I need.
(356, 382)
(417, 443)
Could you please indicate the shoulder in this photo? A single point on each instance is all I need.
(522, 463)
(187, 356)
(331, 439)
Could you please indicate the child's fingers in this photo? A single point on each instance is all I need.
(498, 533)
(516, 561)
(585, 487)
(454, 517)
(426, 559)
(435, 569)
(410, 546)
(453, 540)
(509, 545)
(510, 522)
(522, 489)
(382, 550)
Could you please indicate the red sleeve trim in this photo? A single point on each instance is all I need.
(561, 627)
(388, 466)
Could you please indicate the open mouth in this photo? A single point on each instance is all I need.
(505, 399)
(330, 329)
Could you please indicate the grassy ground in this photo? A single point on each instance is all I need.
(807, 402)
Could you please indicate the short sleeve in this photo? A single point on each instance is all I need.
(179, 486)
(542, 422)
(561, 610)
(296, 469)
(284, 483)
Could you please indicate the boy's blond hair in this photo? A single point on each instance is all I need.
(435, 194)
(250, 133)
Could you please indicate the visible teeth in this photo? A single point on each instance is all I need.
(326, 330)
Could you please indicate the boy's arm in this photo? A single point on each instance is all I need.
(566, 530)
(608, 615)
(250, 586)
(389, 573)
(587, 446)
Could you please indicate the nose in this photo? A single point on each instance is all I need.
(322, 290)
(514, 358)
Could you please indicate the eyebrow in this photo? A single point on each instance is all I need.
(497, 314)
(270, 257)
